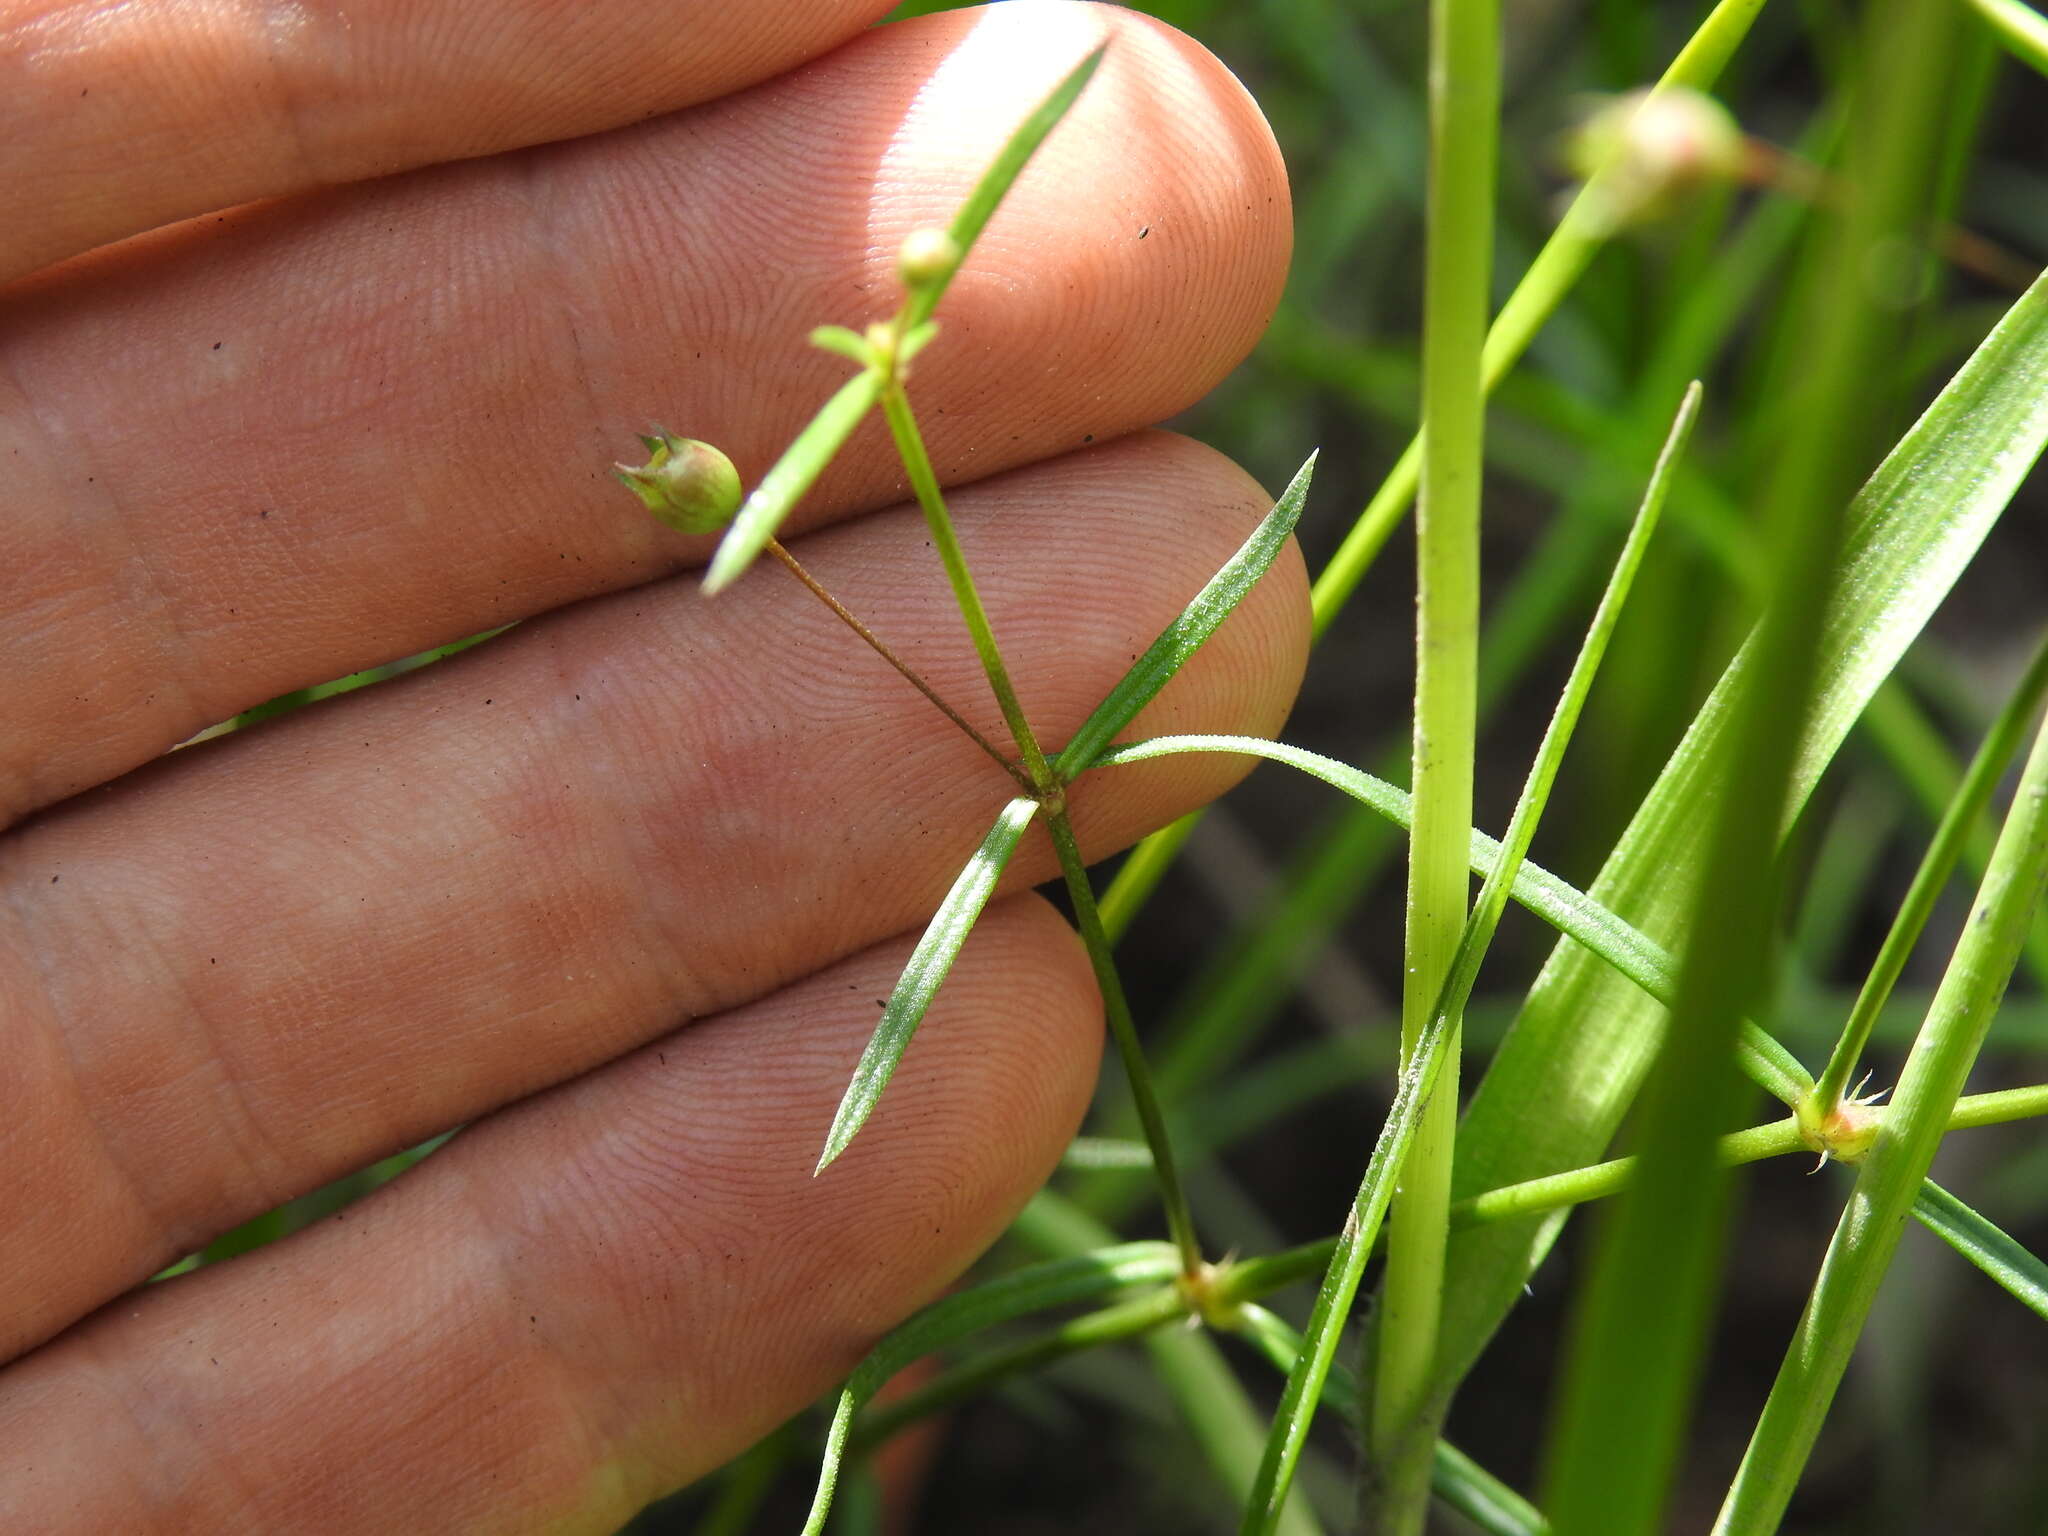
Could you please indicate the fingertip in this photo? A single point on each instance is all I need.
(1185, 231)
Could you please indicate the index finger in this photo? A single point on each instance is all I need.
(119, 118)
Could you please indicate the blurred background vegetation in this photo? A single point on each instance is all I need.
(1281, 1049)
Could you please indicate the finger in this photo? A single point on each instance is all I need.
(277, 957)
(403, 435)
(587, 1300)
(121, 118)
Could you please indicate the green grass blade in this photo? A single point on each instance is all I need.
(1892, 1173)
(1186, 634)
(1305, 1383)
(1464, 126)
(1040, 1288)
(1566, 1073)
(1490, 1504)
(2004, 1258)
(2020, 29)
(1640, 1330)
(762, 513)
(1486, 1501)
(1574, 913)
(925, 973)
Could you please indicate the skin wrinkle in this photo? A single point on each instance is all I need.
(537, 186)
(600, 852)
(670, 968)
(20, 786)
(283, 26)
(261, 1152)
(512, 1309)
(117, 1390)
(601, 1388)
(121, 1175)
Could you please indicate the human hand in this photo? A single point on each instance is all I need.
(265, 447)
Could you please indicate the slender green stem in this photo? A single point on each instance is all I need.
(925, 483)
(2022, 30)
(1180, 1221)
(1464, 113)
(1245, 1279)
(1999, 1108)
(852, 621)
(2001, 744)
(1890, 1178)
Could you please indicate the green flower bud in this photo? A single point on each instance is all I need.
(688, 484)
(926, 256)
(1655, 150)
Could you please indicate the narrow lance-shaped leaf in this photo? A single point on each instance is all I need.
(1424, 1063)
(921, 978)
(1458, 1480)
(763, 512)
(1186, 634)
(996, 181)
(1571, 911)
(2001, 1256)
